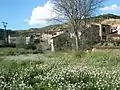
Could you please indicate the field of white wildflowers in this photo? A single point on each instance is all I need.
(61, 71)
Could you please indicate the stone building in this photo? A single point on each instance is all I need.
(104, 30)
(95, 33)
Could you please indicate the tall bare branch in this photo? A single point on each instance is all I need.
(76, 13)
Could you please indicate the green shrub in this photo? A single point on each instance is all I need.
(1, 59)
(79, 54)
(39, 48)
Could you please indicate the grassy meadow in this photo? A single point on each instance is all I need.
(60, 71)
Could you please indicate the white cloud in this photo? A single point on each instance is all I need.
(115, 9)
(110, 8)
(42, 13)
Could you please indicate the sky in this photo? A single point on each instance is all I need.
(25, 14)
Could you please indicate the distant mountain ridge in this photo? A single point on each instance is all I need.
(104, 17)
(108, 16)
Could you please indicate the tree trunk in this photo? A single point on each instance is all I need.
(82, 42)
(76, 43)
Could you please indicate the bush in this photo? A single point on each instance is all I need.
(39, 48)
(79, 54)
(63, 42)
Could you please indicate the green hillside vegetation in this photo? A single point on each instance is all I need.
(103, 17)
(108, 16)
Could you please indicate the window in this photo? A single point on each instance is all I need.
(54, 33)
(103, 29)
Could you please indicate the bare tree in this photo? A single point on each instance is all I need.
(76, 13)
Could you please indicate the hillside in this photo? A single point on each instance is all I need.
(109, 19)
(108, 16)
(112, 22)
(103, 19)
(97, 19)
(39, 30)
(43, 29)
